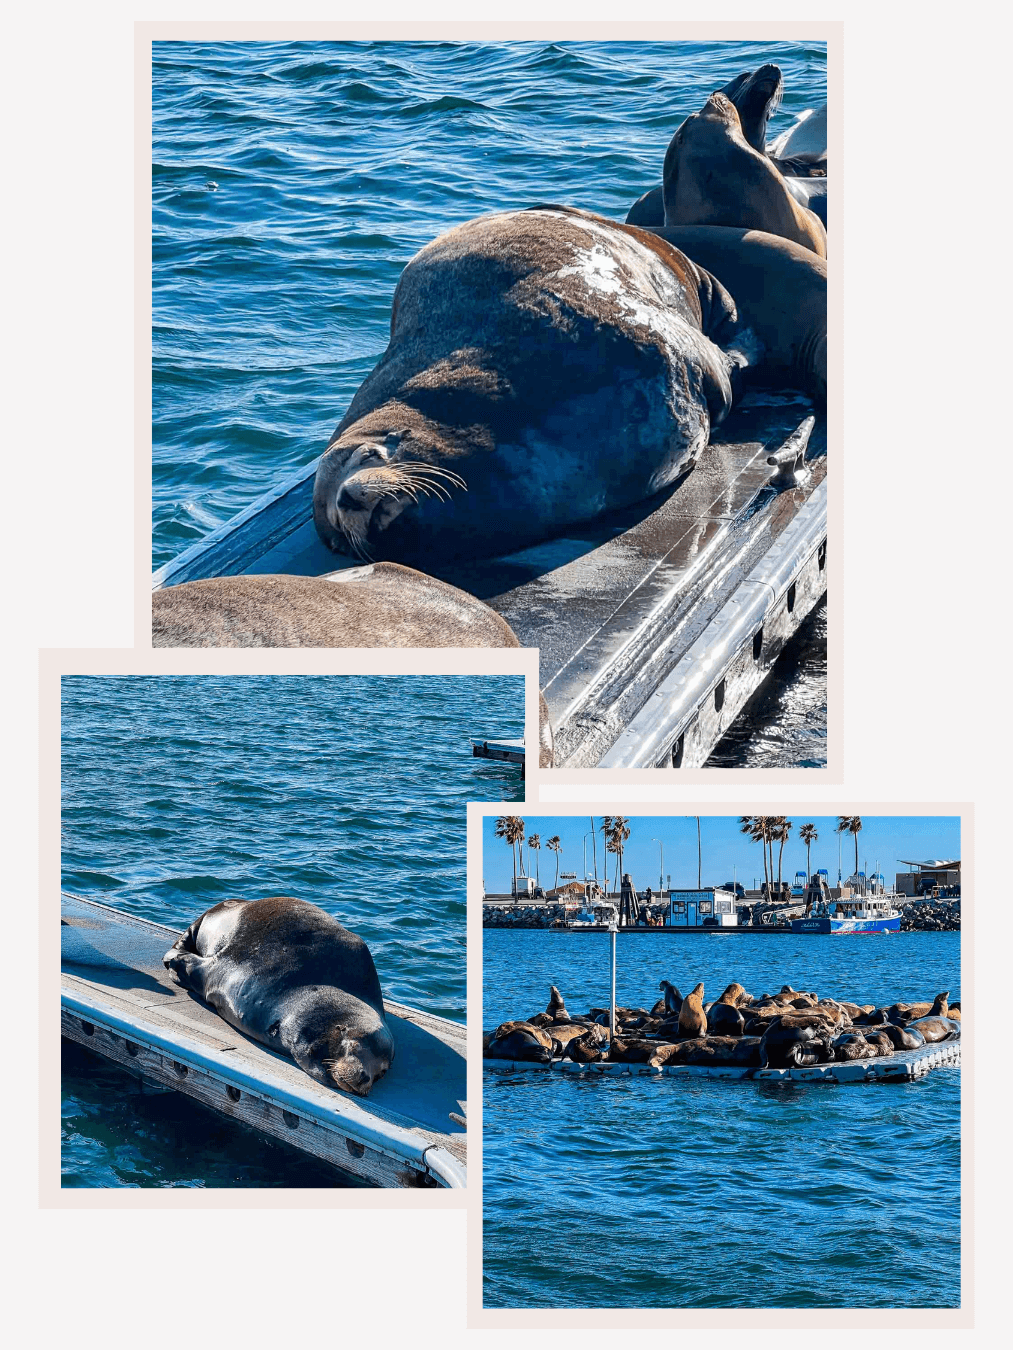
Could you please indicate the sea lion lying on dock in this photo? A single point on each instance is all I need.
(518, 1040)
(935, 1029)
(291, 976)
(793, 1046)
(710, 1050)
(544, 367)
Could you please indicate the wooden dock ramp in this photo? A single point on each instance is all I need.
(118, 1000)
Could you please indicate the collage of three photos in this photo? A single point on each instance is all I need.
(494, 416)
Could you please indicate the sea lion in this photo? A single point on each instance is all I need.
(692, 1018)
(954, 1012)
(811, 193)
(520, 1041)
(780, 293)
(631, 1051)
(582, 1050)
(291, 976)
(732, 995)
(713, 176)
(793, 1046)
(724, 1019)
(673, 999)
(935, 1029)
(808, 137)
(378, 605)
(756, 96)
(545, 366)
(903, 1038)
(563, 1035)
(557, 1006)
(851, 1045)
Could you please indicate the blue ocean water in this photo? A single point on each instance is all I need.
(348, 791)
(650, 1192)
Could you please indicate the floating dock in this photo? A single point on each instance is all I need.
(901, 1066)
(655, 624)
(510, 751)
(118, 1000)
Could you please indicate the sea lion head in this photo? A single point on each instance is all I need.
(364, 484)
(354, 1061)
(756, 95)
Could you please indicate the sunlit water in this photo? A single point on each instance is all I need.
(350, 792)
(292, 182)
(654, 1192)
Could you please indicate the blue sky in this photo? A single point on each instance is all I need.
(883, 839)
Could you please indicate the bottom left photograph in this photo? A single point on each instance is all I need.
(263, 948)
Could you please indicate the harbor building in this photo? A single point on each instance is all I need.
(931, 878)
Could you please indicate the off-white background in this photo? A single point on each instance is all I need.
(926, 683)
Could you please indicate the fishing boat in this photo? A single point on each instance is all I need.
(864, 906)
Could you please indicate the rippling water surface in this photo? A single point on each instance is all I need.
(656, 1193)
(348, 791)
(292, 182)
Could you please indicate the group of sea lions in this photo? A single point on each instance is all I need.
(790, 1029)
(546, 366)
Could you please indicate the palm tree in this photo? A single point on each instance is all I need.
(781, 831)
(535, 844)
(850, 825)
(619, 832)
(606, 829)
(555, 844)
(511, 829)
(759, 830)
(807, 834)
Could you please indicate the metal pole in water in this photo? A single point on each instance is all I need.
(612, 1007)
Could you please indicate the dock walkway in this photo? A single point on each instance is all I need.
(118, 1000)
(901, 1066)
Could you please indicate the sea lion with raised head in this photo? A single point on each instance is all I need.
(780, 294)
(673, 999)
(544, 367)
(291, 976)
(713, 176)
(557, 1006)
(692, 1018)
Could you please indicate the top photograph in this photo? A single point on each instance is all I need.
(500, 344)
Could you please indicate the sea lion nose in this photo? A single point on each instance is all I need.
(362, 1079)
(347, 500)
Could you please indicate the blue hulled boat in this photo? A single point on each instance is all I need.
(864, 906)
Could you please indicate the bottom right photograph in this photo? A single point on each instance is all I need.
(722, 1060)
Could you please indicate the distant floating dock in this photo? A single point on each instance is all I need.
(510, 751)
(901, 1066)
(118, 1000)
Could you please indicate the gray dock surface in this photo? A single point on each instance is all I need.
(119, 1001)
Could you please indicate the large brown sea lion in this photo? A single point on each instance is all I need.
(780, 293)
(692, 1018)
(935, 1029)
(288, 974)
(519, 1041)
(557, 1006)
(713, 176)
(545, 366)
